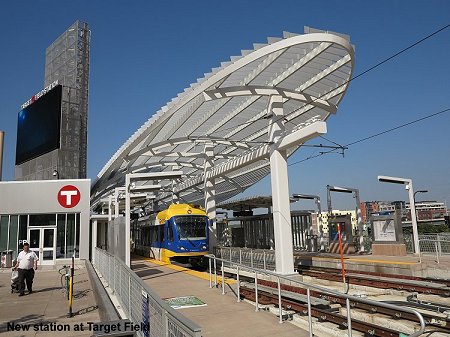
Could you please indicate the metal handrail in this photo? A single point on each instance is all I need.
(184, 322)
(309, 287)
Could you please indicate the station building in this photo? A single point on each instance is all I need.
(51, 215)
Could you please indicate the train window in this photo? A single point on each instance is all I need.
(170, 232)
(191, 227)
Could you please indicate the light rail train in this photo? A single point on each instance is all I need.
(177, 234)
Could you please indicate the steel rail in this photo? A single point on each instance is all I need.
(322, 315)
(430, 319)
(328, 291)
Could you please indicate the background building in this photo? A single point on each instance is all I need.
(369, 207)
(431, 212)
(66, 61)
(324, 218)
(428, 212)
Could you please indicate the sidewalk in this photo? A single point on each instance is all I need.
(222, 316)
(47, 308)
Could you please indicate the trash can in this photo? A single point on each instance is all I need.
(7, 258)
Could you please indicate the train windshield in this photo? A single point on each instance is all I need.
(191, 227)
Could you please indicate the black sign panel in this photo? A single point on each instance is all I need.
(38, 126)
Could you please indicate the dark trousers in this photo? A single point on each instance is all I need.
(28, 276)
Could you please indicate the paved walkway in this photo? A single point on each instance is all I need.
(222, 316)
(47, 307)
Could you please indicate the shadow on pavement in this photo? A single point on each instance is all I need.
(46, 289)
(28, 320)
(148, 272)
(81, 293)
(140, 266)
(82, 281)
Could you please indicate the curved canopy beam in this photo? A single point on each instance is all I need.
(249, 90)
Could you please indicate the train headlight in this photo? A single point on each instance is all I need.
(204, 247)
(182, 248)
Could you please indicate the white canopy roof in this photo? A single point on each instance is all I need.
(226, 110)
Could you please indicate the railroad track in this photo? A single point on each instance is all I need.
(322, 315)
(429, 319)
(326, 315)
(383, 282)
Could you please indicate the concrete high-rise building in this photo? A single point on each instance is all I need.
(67, 62)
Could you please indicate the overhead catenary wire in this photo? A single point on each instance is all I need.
(398, 127)
(374, 135)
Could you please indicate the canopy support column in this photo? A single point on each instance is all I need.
(284, 259)
(210, 196)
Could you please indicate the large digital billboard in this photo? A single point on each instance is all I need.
(38, 126)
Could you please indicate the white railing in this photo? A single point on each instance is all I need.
(140, 303)
(437, 246)
(256, 258)
(213, 261)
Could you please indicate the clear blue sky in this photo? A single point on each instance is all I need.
(144, 52)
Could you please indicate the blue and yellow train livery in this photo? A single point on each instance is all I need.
(177, 234)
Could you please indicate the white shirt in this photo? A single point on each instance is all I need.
(26, 260)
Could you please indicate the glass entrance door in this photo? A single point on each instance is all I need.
(43, 242)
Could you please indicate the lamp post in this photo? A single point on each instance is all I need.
(409, 187)
(316, 199)
(358, 209)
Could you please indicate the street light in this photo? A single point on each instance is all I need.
(408, 186)
(422, 191)
(316, 198)
(358, 209)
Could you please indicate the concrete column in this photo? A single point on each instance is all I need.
(210, 196)
(109, 207)
(175, 196)
(127, 221)
(94, 240)
(284, 259)
(359, 222)
(116, 202)
(412, 206)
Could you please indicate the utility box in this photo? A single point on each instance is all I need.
(345, 224)
(387, 234)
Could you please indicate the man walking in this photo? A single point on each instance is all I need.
(26, 264)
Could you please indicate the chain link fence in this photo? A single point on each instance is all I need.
(429, 243)
(140, 303)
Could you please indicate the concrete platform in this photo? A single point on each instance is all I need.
(47, 304)
(223, 315)
(402, 265)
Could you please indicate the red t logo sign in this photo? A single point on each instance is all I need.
(69, 196)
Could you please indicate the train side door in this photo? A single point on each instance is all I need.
(169, 235)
